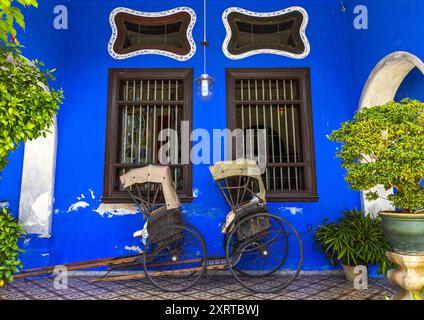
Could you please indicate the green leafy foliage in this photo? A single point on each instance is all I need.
(354, 239)
(26, 108)
(10, 232)
(418, 296)
(11, 14)
(384, 145)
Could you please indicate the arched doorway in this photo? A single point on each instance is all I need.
(381, 87)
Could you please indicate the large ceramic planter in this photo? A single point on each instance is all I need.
(404, 232)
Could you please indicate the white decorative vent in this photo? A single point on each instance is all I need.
(167, 33)
(281, 32)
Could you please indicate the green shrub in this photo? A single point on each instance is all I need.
(11, 14)
(26, 109)
(355, 239)
(10, 232)
(384, 145)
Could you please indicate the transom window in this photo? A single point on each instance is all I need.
(143, 102)
(278, 102)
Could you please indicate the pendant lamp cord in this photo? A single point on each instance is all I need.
(204, 43)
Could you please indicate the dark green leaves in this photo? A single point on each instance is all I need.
(354, 239)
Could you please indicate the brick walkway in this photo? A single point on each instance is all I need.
(306, 287)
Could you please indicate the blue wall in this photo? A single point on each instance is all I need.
(340, 62)
(394, 25)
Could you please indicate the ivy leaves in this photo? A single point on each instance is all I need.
(10, 232)
(26, 108)
(384, 145)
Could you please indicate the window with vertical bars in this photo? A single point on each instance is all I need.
(142, 102)
(276, 101)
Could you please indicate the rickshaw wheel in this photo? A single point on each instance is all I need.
(236, 259)
(177, 263)
(257, 262)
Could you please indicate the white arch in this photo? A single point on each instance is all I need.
(381, 87)
(38, 177)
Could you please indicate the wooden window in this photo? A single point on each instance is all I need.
(166, 33)
(281, 32)
(142, 102)
(277, 101)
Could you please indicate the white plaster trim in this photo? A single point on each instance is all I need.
(266, 51)
(380, 88)
(37, 189)
(151, 51)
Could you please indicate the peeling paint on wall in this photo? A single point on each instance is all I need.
(203, 212)
(4, 205)
(136, 249)
(196, 192)
(292, 210)
(78, 205)
(40, 217)
(116, 209)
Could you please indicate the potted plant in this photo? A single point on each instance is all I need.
(384, 145)
(355, 239)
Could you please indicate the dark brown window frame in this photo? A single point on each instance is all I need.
(310, 193)
(183, 17)
(112, 134)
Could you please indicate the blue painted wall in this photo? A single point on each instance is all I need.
(339, 65)
(394, 25)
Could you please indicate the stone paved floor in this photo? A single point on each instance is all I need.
(306, 287)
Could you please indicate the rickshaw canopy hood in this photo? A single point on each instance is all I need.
(241, 167)
(154, 174)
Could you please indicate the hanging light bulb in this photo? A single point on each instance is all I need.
(205, 83)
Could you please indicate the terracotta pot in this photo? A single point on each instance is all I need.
(404, 231)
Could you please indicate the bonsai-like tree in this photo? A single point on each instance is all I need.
(384, 145)
(26, 113)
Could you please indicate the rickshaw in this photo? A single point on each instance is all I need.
(259, 246)
(174, 252)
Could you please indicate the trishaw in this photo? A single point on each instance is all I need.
(256, 242)
(174, 258)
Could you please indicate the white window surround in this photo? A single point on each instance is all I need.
(153, 15)
(380, 88)
(266, 51)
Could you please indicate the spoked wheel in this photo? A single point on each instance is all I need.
(175, 258)
(268, 261)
